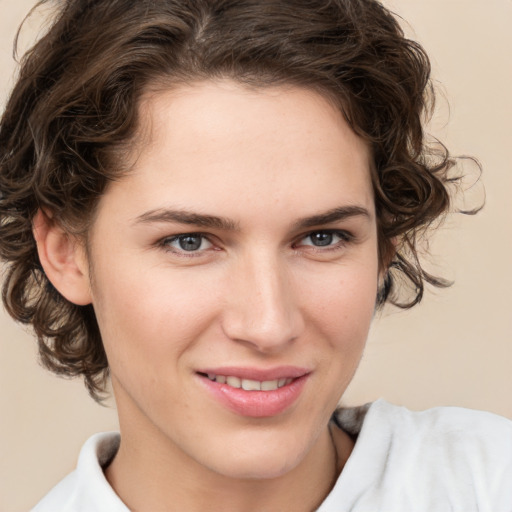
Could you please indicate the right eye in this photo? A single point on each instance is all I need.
(187, 243)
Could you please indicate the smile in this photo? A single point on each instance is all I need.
(252, 392)
(249, 384)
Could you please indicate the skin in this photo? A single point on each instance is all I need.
(257, 293)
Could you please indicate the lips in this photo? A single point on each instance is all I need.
(254, 392)
(250, 384)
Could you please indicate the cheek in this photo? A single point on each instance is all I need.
(342, 305)
(147, 316)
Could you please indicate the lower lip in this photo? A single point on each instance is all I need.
(256, 404)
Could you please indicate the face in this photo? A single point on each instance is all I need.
(240, 251)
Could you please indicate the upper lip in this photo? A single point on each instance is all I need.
(260, 374)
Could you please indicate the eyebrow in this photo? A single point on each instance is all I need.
(225, 224)
(187, 217)
(330, 216)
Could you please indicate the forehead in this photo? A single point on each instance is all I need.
(210, 146)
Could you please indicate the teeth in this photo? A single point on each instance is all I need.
(234, 382)
(249, 384)
(269, 385)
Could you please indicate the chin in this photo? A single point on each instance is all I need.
(257, 460)
(257, 467)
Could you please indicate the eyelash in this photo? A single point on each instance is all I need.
(344, 238)
(165, 244)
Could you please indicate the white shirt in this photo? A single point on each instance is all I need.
(444, 459)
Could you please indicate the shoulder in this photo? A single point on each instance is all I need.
(445, 427)
(86, 488)
(446, 458)
(438, 425)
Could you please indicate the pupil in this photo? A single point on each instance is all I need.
(190, 242)
(321, 238)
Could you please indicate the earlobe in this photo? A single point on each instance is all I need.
(384, 282)
(391, 252)
(63, 259)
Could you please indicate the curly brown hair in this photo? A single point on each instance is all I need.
(74, 109)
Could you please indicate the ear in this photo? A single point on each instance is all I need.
(63, 259)
(386, 260)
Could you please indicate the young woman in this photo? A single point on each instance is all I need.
(205, 201)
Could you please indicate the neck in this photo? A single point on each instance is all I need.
(149, 474)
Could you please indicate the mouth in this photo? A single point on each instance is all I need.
(248, 384)
(252, 392)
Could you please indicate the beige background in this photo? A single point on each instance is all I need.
(455, 349)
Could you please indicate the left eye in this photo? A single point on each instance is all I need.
(324, 238)
(190, 242)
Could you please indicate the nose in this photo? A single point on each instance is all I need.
(262, 308)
